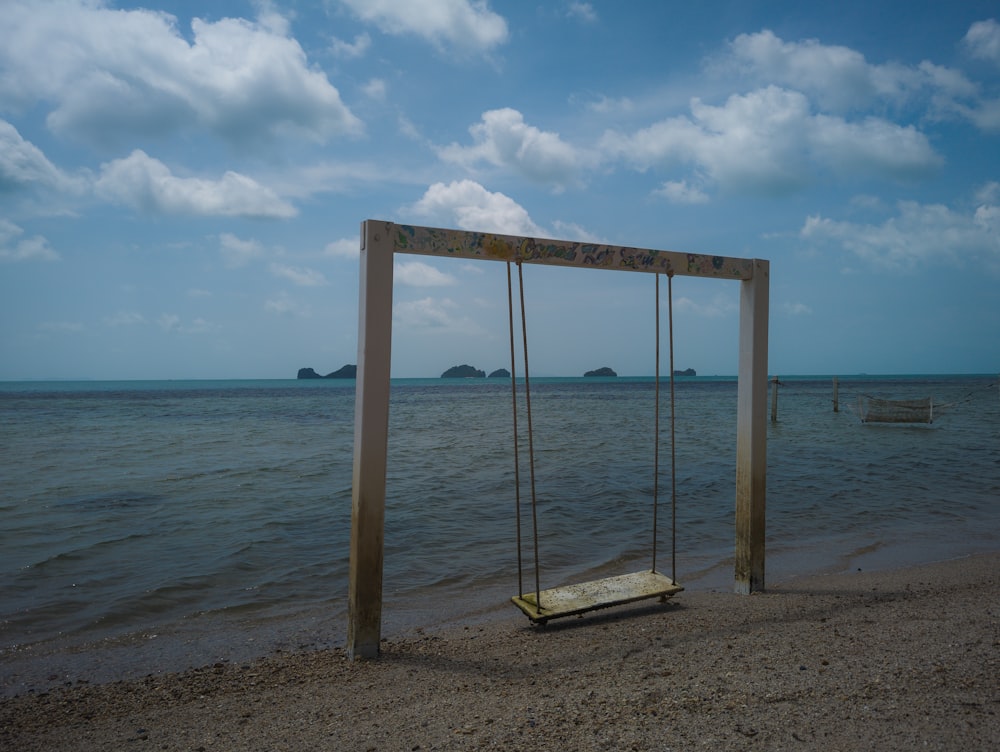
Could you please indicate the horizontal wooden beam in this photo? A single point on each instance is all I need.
(436, 241)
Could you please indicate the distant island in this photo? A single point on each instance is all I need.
(463, 372)
(345, 372)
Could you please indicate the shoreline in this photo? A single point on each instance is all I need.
(159, 650)
(889, 659)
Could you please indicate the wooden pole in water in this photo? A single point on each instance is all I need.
(836, 398)
(751, 431)
(371, 434)
(774, 399)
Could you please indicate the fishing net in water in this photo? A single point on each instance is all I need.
(879, 410)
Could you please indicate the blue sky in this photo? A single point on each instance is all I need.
(181, 189)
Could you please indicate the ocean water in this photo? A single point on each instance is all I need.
(147, 526)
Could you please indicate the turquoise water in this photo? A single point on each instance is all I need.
(152, 525)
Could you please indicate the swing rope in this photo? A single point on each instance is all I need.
(656, 430)
(673, 443)
(531, 440)
(517, 461)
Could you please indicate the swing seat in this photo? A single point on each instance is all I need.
(577, 599)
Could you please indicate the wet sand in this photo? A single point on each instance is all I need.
(897, 660)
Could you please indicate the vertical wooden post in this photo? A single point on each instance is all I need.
(836, 397)
(774, 399)
(371, 434)
(751, 431)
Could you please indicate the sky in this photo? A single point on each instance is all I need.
(182, 184)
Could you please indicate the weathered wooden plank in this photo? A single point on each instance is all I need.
(436, 241)
(581, 598)
(751, 431)
(371, 435)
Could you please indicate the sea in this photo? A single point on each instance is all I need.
(152, 526)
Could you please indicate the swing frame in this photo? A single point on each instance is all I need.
(381, 240)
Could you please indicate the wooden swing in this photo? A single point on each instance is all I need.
(381, 240)
(541, 606)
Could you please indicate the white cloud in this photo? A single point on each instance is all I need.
(61, 327)
(169, 322)
(375, 89)
(429, 315)
(867, 202)
(238, 252)
(918, 234)
(753, 142)
(125, 318)
(15, 248)
(172, 323)
(324, 176)
(468, 25)
(351, 50)
(583, 11)
(408, 129)
(200, 326)
(769, 141)
(419, 274)
(680, 192)
(985, 114)
(796, 309)
(145, 183)
(23, 165)
(983, 40)
(606, 105)
(573, 231)
(503, 139)
(110, 73)
(873, 146)
(348, 248)
(718, 306)
(468, 205)
(947, 83)
(987, 219)
(301, 276)
(839, 78)
(989, 193)
(284, 305)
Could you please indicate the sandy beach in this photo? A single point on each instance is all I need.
(895, 660)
